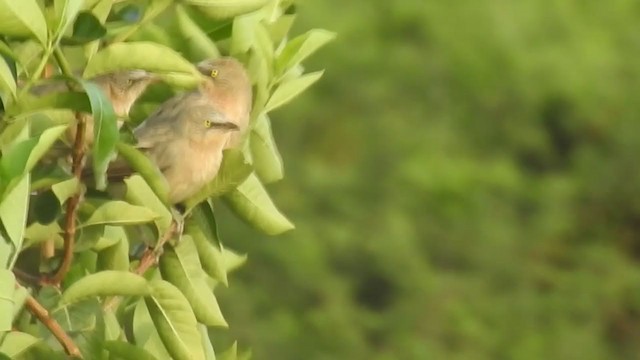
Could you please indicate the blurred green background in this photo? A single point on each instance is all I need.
(465, 185)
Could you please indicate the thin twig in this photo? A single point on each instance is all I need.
(43, 315)
(149, 259)
(76, 168)
(72, 204)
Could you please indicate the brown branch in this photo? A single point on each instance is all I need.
(149, 259)
(72, 204)
(43, 315)
(151, 256)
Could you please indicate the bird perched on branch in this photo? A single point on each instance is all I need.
(186, 135)
(122, 88)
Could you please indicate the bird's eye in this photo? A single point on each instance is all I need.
(208, 123)
(214, 73)
(129, 82)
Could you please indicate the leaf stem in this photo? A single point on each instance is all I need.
(58, 332)
(62, 62)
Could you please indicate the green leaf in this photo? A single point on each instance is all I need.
(13, 211)
(37, 233)
(7, 289)
(19, 298)
(232, 260)
(87, 28)
(280, 28)
(175, 321)
(266, 158)
(181, 267)
(206, 342)
(23, 18)
(302, 47)
(286, 91)
(231, 353)
(252, 203)
(23, 156)
(147, 168)
(116, 256)
(145, 334)
(16, 343)
(106, 283)
(101, 11)
(105, 131)
(139, 193)
(221, 9)
(7, 82)
(199, 44)
(65, 11)
(202, 228)
(233, 171)
(148, 56)
(120, 213)
(77, 101)
(127, 351)
(243, 35)
(65, 189)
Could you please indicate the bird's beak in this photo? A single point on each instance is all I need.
(226, 126)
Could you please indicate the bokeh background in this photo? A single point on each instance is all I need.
(465, 185)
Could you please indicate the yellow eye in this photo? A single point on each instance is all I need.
(208, 123)
(214, 73)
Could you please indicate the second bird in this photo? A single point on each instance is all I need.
(186, 135)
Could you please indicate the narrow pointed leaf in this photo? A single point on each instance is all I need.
(139, 193)
(206, 242)
(302, 47)
(66, 12)
(7, 289)
(198, 42)
(106, 283)
(105, 131)
(7, 82)
(16, 343)
(115, 257)
(77, 101)
(252, 203)
(145, 334)
(288, 90)
(266, 157)
(124, 350)
(120, 213)
(147, 169)
(13, 211)
(175, 321)
(65, 189)
(181, 267)
(148, 56)
(23, 156)
(221, 9)
(23, 18)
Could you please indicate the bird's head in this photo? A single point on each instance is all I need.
(225, 72)
(125, 87)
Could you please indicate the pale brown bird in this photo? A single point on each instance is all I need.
(230, 92)
(122, 88)
(186, 135)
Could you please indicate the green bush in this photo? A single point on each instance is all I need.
(81, 284)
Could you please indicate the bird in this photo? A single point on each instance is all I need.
(230, 91)
(186, 135)
(122, 88)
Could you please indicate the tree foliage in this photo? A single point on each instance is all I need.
(105, 305)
